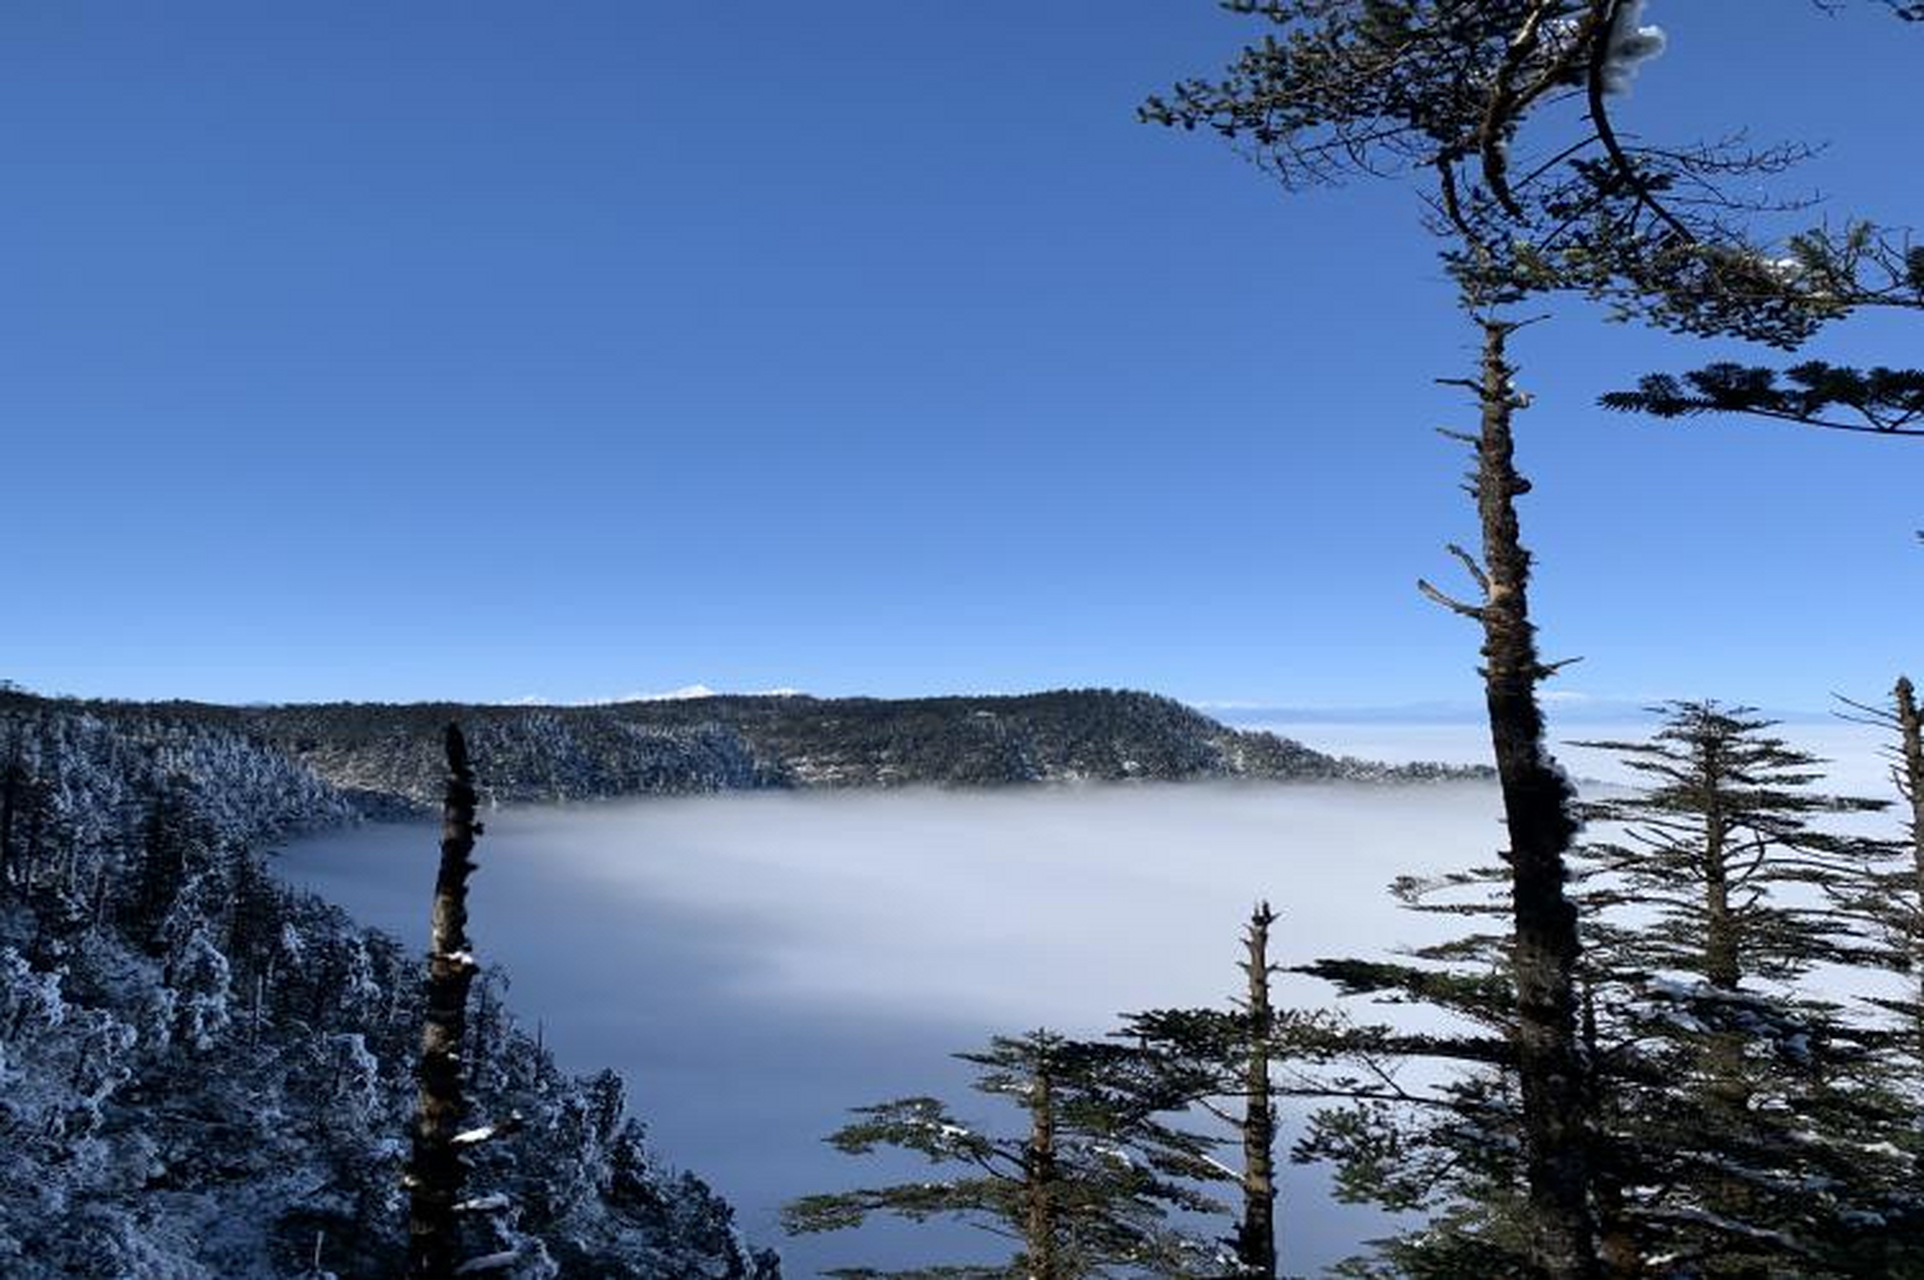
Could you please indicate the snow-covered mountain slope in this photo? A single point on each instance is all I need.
(206, 1074)
(386, 757)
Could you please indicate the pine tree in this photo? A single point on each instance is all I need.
(1446, 91)
(1750, 1121)
(1087, 1187)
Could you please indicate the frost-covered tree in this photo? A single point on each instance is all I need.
(219, 1085)
(1086, 1187)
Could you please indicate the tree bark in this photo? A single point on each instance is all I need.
(1537, 801)
(1256, 1235)
(436, 1172)
(1910, 782)
(1723, 962)
(1040, 1175)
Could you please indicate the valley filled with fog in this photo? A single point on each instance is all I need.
(755, 964)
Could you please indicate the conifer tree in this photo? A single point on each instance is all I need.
(1743, 1124)
(1749, 1120)
(1893, 902)
(1831, 274)
(1256, 1233)
(1445, 91)
(169, 835)
(1086, 1187)
(1908, 773)
(1226, 1062)
(13, 778)
(1713, 845)
(1446, 87)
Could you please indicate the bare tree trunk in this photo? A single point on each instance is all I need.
(1040, 1175)
(1256, 1235)
(1910, 782)
(1728, 1094)
(436, 1171)
(1537, 804)
(1723, 962)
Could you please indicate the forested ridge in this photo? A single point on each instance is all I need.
(384, 758)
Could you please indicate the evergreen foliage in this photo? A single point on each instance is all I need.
(1890, 900)
(1087, 1189)
(1887, 401)
(1751, 1122)
(1745, 1124)
(1225, 1062)
(1529, 200)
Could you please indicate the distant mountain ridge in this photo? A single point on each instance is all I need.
(384, 757)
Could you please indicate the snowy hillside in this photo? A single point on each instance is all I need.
(206, 1074)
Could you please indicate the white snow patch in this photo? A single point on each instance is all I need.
(1631, 45)
(492, 1203)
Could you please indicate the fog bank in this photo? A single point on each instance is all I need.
(755, 964)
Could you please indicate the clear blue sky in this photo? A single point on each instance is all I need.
(484, 350)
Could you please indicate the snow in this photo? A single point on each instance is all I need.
(489, 1262)
(492, 1203)
(198, 1066)
(1631, 45)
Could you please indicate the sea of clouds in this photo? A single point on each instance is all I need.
(755, 964)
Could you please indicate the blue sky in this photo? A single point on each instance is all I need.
(573, 350)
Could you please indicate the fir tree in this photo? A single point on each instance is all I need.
(1226, 1062)
(1447, 91)
(1087, 1188)
(169, 838)
(1750, 1121)
(1714, 845)
(1743, 1125)
(1833, 273)
(1893, 901)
